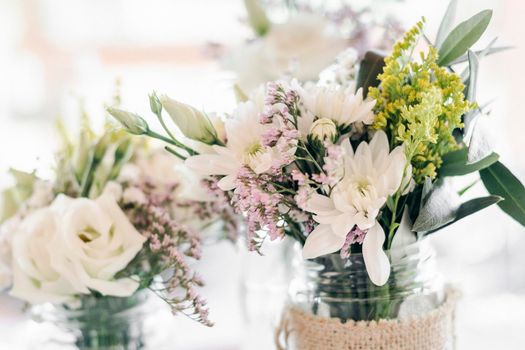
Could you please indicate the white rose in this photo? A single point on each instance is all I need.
(94, 242)
(35, 280)
(75, 246)
(302, 46)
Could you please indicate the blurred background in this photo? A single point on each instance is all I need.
(59, 55)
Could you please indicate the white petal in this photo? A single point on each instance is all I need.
(376, 261)
(213, 164)
(322, 241)
(227, 183)
(347, 147)
(321, 205)
(379, 147)
(342, 224)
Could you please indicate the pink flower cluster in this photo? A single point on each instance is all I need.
(258, 199)
(333, 161)
(356, 235)
(169, 245)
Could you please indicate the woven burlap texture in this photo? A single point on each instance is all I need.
(430, 331)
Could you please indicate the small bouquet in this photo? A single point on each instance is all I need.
(112, 222)
(351, 171)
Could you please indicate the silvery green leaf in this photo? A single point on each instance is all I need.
(462, 37)
(470, 76)
(479, 145)
(456, 163)
(439, 208)
(489, 50)
(427, 186)
(446, 22)
(472, 206)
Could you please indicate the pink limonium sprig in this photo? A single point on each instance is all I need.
(259, 200)
(169, 246)
(356, 235)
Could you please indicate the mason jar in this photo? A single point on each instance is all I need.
(333, 287)
(91, 322)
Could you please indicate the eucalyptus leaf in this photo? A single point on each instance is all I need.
(456, 163)
(489, 50)
(439, 208)
(462, 37)
(471, 76)
(479, 144)
(446, 22)
(500, 181)
(371, 66)
(470, 207)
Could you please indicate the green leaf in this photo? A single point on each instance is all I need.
(439, 208)
(500, 181)
(471, 82)
(479, 145)
(371, 66)
(489, 50)
(446, 22)
(462, 37)
(456, 163)
(470, 207)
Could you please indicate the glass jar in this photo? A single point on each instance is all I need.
(264, 283)
(333, 287)
(109, 323)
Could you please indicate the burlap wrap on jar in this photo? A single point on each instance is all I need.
(431, 331)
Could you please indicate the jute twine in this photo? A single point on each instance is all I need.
(431, 331)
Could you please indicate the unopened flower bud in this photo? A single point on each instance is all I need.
(193, 123)
(257, 17)
(133, 123)
(154, 103)
(323, 128)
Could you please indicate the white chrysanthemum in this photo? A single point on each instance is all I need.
(342, 106)
(244, 148)
(371, 174)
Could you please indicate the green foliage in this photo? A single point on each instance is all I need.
(441, 207)
(501, 182)
(13, 197)
(85, 166)
(410, 89)
(456, 163)
(462, 37)
(446, 22)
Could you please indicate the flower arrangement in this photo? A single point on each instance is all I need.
(116, 218)
(305, 43)
(362, 168)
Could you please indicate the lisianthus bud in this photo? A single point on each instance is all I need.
(218, 125)
(323, 128)
(257, 17)
(154, 103)
(133, 123)
(193, 123)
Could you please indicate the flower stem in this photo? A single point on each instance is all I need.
(173, 142)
